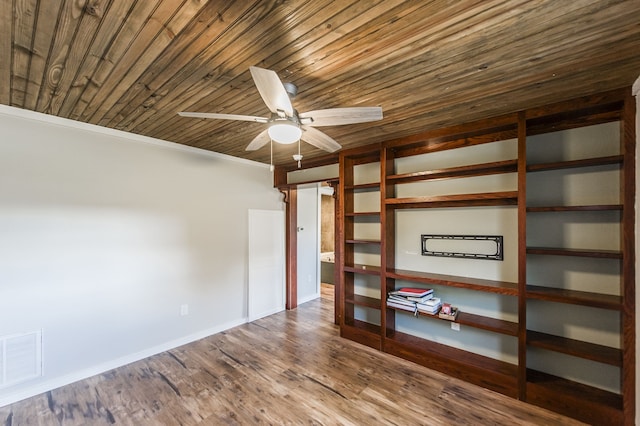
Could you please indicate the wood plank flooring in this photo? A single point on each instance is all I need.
(288, 368)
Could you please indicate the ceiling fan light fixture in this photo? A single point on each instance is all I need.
(286, 126)
(285, 133)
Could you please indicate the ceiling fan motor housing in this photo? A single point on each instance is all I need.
(291, 89)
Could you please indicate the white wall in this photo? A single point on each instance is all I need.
(104, 235)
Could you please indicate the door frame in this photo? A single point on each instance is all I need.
(290, 193)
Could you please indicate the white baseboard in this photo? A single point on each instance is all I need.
(309, 298)
(267, 313)
(42, 386)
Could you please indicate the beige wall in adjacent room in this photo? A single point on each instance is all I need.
(327, 224)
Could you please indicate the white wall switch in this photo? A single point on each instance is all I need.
(184, 310)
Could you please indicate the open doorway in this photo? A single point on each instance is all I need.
(303, 222)
(315, 232)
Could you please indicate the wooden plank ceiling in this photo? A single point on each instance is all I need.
(133, 64)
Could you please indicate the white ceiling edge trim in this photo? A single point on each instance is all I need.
(65, 122)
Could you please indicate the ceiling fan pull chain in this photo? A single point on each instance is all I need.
(271, 168)
(298, 157)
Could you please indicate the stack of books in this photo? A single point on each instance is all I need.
(430, 306)
(421, 301)
(409, 298)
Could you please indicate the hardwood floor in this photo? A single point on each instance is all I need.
(288, 368)
(327, 291)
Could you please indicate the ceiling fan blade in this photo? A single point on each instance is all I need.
(272, 90)
(319, 139)
(339, 116)
(259, 141)
(224, 116)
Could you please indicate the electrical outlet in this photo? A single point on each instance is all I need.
(455, 326)
(184, 310)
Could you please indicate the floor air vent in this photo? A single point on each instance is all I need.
(20, 357)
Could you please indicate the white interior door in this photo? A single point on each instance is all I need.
(266, 291)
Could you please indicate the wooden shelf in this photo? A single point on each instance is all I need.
(577, 348)
(573, 399)
(410, 312)
(363, 269)
(501, 287)
(457, 200)
(588, 162)
(359, 300)
(362, 332)
(508, 166)
(591, 208)
(487, 372)
(373, 186)
(365, 326)
(583, 298)
(476, 321)
(359, 214)
(362, 241)
(487, 323)
(554, 251)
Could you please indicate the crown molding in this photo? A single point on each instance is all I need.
(65, 122)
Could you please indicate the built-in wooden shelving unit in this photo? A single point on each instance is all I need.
(400, 184)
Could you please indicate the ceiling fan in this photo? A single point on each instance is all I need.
(286, 125)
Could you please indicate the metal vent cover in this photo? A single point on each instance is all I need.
(20, 357)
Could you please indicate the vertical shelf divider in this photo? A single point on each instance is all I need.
(522, 256)
(628, 191)
(387, 250)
